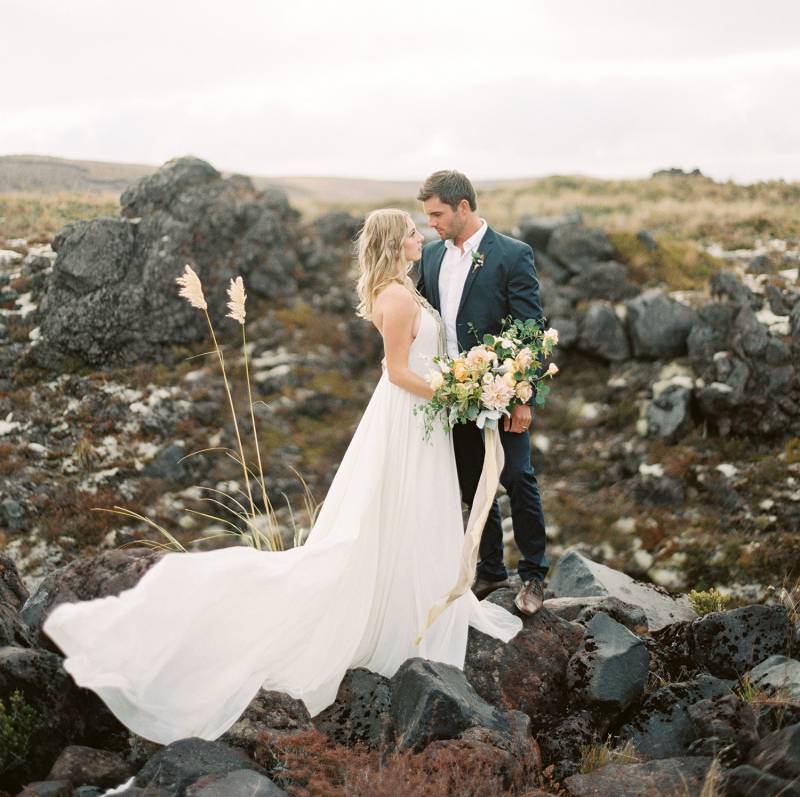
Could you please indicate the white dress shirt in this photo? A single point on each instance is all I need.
(453, 275)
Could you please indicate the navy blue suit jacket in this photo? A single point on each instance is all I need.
(506, 284)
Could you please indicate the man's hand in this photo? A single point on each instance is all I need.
(520, 419)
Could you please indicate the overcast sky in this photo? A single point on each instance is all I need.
(507, 88)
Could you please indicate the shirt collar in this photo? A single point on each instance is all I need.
(472, 242)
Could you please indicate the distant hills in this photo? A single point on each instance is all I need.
(42, 174)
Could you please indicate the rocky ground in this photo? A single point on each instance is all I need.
(615, 687)
(669, 448)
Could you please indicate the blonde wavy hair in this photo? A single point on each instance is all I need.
(380, 257)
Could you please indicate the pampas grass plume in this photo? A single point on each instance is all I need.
(192, 288)
(237, 298)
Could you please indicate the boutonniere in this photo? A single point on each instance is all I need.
(477, 259)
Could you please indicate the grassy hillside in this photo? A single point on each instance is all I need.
(39, 216)
(684, 207)
(38, 195)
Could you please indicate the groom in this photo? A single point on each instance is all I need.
(476, 275)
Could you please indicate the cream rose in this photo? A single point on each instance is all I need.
(524, 391)
(551, 336)
(524, 359)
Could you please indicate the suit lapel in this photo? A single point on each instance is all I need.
(436, 267)
(484, 248)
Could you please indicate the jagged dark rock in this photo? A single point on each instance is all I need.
(778, 676)
(577, 575)
(184, 762)
(88, 765)
(239, 783)
(727, 644)
(772, 768)
(669, 414)
(662, 727)
(581, 610)
(537, 230)
(269, 711)
(162, 190)
(746, 781)
(609, 670)
(361, 712)
(679, 775)
(724, 726)
(710, 334)
(529, 672)
(658, 325)
(13, 630)
(751, 380)
(112, 297)
(605, 280)
(550, 268)
(603, 334)
(576, 246)
(562, 745)
(646, 237)
(726, 284)
(431, 700)
(779, 753)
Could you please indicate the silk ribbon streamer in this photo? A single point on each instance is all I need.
(493, 460)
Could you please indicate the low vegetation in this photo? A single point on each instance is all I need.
(18, 721)
(706, 601)
(38, 217)
(309, 764)
(594, 756)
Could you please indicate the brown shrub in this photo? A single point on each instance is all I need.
(67, 511)
(9, 462)
(309, 764)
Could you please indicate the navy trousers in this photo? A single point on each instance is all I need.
(520, 483)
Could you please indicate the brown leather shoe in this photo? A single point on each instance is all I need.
(531, 597)
(482, 587)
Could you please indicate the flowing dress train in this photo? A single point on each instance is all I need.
(185, 650)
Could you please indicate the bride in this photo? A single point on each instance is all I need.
(184, 651)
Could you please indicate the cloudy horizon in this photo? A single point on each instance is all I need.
(515, 89)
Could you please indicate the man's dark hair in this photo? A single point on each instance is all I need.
(451, 187)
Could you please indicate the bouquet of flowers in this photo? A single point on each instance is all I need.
(484, 384)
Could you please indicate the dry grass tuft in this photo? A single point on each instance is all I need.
(599, 754)
(711, 785)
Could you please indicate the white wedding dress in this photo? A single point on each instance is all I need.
(184, 651)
